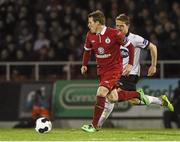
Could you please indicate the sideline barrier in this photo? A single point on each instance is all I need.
(75, 99)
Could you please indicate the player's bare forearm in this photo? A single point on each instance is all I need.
(152, 70)
(153, 51)
(127, 70)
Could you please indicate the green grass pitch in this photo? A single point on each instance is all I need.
(102, 135)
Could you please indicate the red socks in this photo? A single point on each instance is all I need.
(100, 104)
(98, 109)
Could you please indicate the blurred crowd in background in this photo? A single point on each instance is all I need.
(54, 30)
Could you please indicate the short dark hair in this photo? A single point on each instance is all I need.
(123, 17)
(97, 16)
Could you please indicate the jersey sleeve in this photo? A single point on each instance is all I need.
(87, 45)
(87, 51)
(122, 39)
(141, 42)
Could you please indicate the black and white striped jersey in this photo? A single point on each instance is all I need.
(139, 43)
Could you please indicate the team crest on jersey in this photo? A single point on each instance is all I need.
(101, 50)
(107, 40)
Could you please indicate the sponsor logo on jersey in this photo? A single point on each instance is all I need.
(101, 53)
(107, 40)
(101, 50)
(103, 56)
(145, 42)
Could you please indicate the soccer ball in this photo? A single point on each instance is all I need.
(43, 125)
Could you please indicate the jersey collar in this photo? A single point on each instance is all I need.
(127, 34)
(103, 30)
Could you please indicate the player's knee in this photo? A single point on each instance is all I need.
(102, 91)
(134, 101)
(111, 98)
(119, 89)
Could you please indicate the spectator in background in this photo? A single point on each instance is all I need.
(39, 103)
(4, 55)
(66, 18)
(41, 42)
(55, 32)
(25, 36)
(40, 23)
(63, 52)
(169, 116)
(28, 51)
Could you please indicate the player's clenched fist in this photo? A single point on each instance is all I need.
(83, 69)
(151, 71)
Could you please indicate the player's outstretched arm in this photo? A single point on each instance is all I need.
(153, 52)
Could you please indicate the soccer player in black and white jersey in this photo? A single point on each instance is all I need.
(128, 82)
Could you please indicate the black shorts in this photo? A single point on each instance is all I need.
(128, 82)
